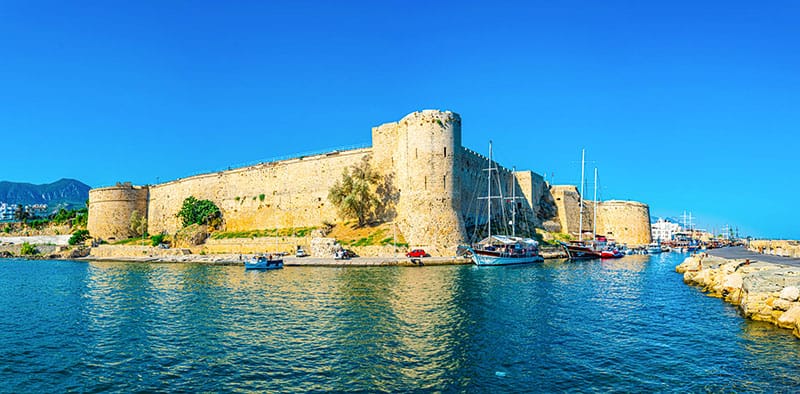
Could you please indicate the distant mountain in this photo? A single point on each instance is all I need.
(64, 193)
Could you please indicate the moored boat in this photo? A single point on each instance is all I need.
(505, 250)
(580, 251)
(496, 250)
(611, 254)
(263, 263)
(654, 248)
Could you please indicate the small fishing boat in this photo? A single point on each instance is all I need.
(611, 254)
(263, 263)
(654, 248)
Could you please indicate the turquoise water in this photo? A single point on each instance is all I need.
(626, 325)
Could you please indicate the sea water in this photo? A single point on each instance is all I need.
(626, 325)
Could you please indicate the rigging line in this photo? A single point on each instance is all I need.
(476, 212)
(502, 206)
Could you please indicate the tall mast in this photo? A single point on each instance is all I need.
(580, 197)
(489, 191)
(685, 228)
(513, 204)
(594, 221)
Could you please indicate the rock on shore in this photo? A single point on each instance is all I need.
(763, 291)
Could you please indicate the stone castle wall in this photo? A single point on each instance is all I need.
(567, 199)
(537, 194)
(291, 193)
(473, 184)
(431, 189)
(627, 222)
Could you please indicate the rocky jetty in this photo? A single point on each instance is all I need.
(763, 291)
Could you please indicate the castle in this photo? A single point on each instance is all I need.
(431, 189)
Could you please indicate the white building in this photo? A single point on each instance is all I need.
(664, 229)
(7, 211)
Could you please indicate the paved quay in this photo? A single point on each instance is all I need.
(373, 261)
(740, 253)
(290, 261)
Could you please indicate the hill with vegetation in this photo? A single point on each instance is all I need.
(61, 194)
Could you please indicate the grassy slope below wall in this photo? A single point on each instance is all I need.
(347, 233)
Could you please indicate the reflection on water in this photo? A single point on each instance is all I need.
(611, 325)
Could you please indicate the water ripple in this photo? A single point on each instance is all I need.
(623, 325)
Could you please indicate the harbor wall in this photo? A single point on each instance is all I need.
(762, 291)
(785, 248)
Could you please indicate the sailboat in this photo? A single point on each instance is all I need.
(498, 249)
(578, 250)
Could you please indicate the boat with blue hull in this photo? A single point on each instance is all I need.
(263, 263)
(505, 250)
(497, 250)
(654, 248)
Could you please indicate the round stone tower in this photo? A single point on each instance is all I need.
(627, 222)
(424, 159)
(110, 210)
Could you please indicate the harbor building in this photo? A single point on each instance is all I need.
(664, 229)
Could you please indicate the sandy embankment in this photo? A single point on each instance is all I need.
(763, 291)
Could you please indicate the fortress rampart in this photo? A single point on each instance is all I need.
(430, 190)
(291, 193)
(627, 222)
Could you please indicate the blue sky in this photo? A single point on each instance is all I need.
(684, 105)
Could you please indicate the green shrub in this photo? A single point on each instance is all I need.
(196, 211)
(261, 197)
(157, 239)
(81, 219)
(28, 249)
(78, 237)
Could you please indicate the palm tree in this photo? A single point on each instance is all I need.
(353, 195)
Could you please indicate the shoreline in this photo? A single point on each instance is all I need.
(156, 255)
(166, 256)
(761, 290)
(288, 261)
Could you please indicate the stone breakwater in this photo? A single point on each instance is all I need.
(763, 291)
(776, 247)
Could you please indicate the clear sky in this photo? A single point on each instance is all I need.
(683, 105)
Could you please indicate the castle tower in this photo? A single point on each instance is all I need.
(628, 222)
(421, 149)
(111, 208)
